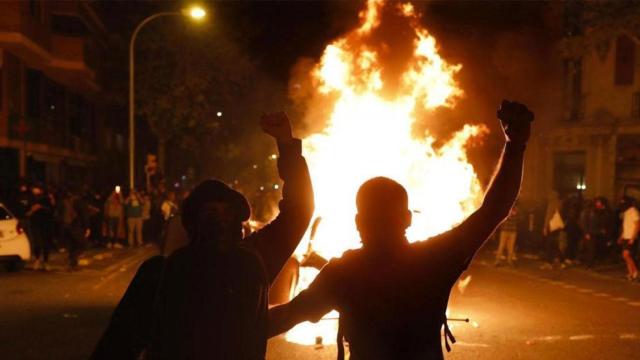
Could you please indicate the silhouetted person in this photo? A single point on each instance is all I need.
(392, 295)
(629, 235)
(597, 221)
(212, 299)
(75, 226)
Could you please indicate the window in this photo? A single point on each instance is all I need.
(54, 104)
(34, 93)
(1, 82)
(75, 114)
(34, 9)
(573, 89)
(625, 59)
(635, 106)
(68, 25)
(81, 117)
(569, 172)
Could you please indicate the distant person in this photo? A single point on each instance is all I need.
(76, 227)
(628, 239)
(597, 225)
(41, 218)
(134, 211)
(169, 206)
(21, 204)
(96, 216)
(212, 299)
(571, 209)
(507, 239)
(146, 216)
(392, 295)
(553, 232)
(114, 213)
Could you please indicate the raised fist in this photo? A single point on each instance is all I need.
(277, 125)
(516, 120)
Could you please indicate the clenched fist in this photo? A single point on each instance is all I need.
(516, 120)
(277, 125)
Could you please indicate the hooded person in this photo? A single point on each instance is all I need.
(208, 299)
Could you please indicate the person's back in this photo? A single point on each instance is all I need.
(210, 303)
(404, 310)
(210, 299)
(392, 295)
(113, 206)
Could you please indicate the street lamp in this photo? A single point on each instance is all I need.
(194, 12)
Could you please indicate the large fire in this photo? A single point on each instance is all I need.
(373, 102)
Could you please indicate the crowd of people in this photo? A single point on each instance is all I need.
(66, 220)
(572, 230)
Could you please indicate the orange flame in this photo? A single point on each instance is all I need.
(369, 133)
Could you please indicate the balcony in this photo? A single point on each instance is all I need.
(68, 52)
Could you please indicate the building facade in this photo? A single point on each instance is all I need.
(592, 144)
(54, 119)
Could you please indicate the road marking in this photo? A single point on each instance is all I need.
(571, 286)
(462, 343)
(620, 299)
(119, 268)
(547, 338)
(581, 337)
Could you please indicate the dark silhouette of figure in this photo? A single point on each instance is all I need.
(211, 301)
(597, 222)
(392, 295)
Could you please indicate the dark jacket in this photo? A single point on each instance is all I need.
(207, 305)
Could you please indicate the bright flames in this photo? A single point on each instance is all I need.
(368, 133)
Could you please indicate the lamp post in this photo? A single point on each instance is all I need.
(196, 13)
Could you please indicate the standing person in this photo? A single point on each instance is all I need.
(629, 235)
(392, 295)
(169, 208)
(133, 207)
(597, 228)
(146, 216)
(572, 208)
(40, 216)
(508, 235)
(113, 212)
(212, 298)
(22, 202)
(96, 211)
(553, 232)
(76, 226)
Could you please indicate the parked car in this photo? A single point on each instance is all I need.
(15, 249)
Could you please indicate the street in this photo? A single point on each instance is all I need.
(515, 313)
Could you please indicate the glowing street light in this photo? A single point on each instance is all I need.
(196, 13)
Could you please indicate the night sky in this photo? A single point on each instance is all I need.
(505, 47)
(277, 33)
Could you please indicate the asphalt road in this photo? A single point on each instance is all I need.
(521, 313)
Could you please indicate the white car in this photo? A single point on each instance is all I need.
(15, 250)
